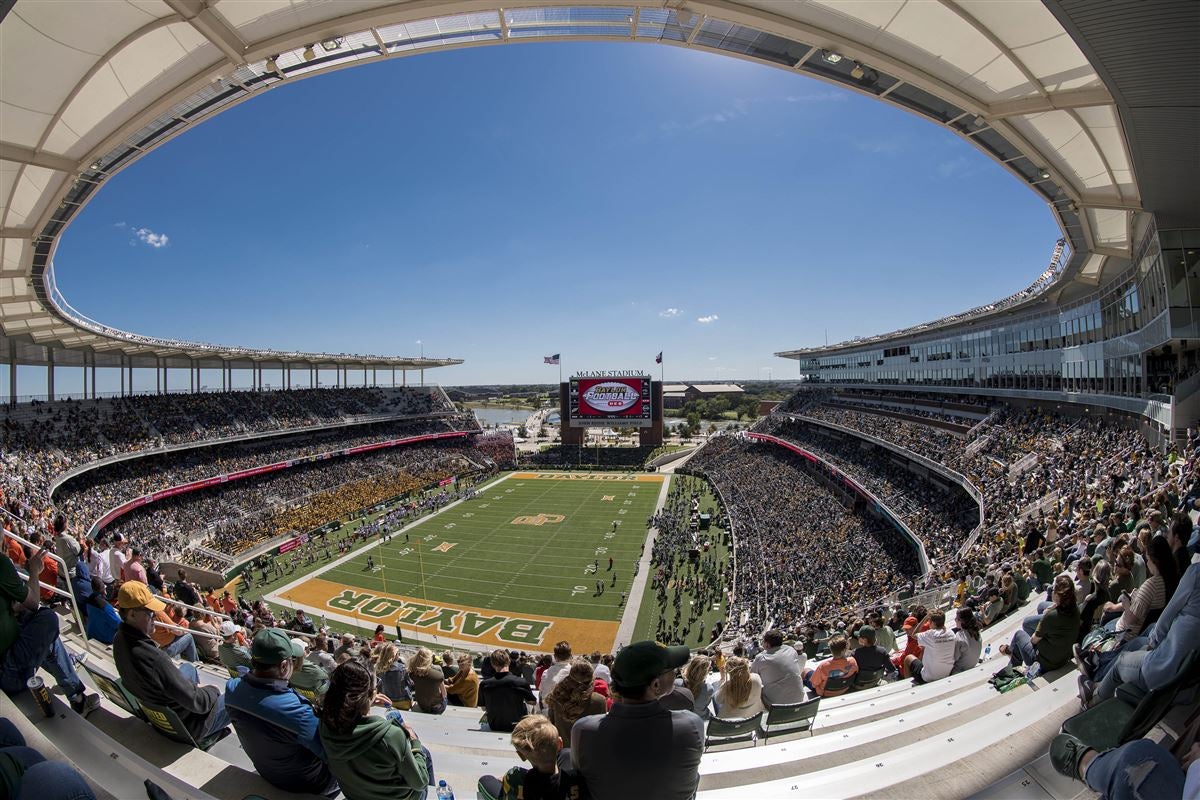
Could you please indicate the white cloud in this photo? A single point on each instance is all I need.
(670, 313)
(954, 168)
(118, 224)
(155, 240)
(707, 319)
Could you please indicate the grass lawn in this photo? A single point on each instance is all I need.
(516, 566)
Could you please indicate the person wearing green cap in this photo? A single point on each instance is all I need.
(276, 726)
(640, 748)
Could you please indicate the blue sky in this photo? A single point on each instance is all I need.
(602, 200)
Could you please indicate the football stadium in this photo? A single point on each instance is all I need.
(956, 559)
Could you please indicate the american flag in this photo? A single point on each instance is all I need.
(554, 359)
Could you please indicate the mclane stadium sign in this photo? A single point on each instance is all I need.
(610, 373)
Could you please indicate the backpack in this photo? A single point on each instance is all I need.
(1007, 679)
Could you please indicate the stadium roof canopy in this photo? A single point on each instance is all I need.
(86, 88)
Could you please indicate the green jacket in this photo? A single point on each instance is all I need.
(376, 761)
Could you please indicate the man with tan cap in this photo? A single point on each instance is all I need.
(640, 748)
(149, 673)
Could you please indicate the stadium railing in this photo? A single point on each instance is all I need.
(62, 571)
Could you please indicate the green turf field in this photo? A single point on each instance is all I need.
(525, 549)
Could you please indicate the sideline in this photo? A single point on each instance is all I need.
(633, 603)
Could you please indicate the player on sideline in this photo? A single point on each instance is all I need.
(610, 563)
(370, 564)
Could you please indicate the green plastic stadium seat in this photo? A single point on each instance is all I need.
(727, 731)
(115, 691)
(866, 679)
(168, 723)
(790, 718)
(836, 685)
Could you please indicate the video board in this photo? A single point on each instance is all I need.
(609, 401)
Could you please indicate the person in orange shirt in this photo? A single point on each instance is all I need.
(14, 551)
(228, 604)
(917, 623)
(49, 568)
(839, 666)
(173, 642)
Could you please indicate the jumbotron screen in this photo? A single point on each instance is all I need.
(610, 400)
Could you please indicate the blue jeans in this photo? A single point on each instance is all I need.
(1138, 770)
(37, 645)
(41, 779)
(184, 646)
(219, 717)
(1023, 649)
(1126, 669)
(1030, 623)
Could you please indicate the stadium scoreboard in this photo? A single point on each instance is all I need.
(610, 400)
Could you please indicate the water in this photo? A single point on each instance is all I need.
(502, 416)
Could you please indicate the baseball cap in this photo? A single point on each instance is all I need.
(298, 647)
(271, 646)
(135, 594)
(867, 632)
(229, 628)
(642, 662)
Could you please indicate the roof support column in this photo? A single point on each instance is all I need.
(12, 372)
(404, 377)
(83, 369)
(94, 395)
(422, 376)
(50, 374)
(166, 388)
(121, 369)
(393, 377)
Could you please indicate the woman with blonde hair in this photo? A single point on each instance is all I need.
(573, 697)
(463, 686)
(740, 694)
(392, 676)
(428, 689)
(695, 679)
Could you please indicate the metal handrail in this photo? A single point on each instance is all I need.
(63, 571)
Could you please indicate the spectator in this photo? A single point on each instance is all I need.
(1137, 769)
(696, 679)
(740, 693)
(25, 774)
(505, 695)
(49, 569)
(937, 652)
(392, 674)
(66, 545)
(302, 623)
(208, 640)
(184, 591)
(573, 697)
(551, 777)
(102, 619)
(599, 668)
(233, 655)
(993, 609)
(838, 666)
(640, 749)
(150, 675)
(463, 687)
(117, 557)
(780, 669)
(449, 665)
(174, 643)
(968, 645)
(556, 671)
(134, 569)
(1053, 639)
(320, 654)
(276, 726)
(1152, 595)
(373, 758)
(885, 637)
(869, 656)
(429, 691)
(306, 676)
(29, 637)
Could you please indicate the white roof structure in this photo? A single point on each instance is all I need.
(89, 86)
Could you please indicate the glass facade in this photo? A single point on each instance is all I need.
(1101, 344)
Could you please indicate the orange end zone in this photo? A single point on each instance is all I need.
(488, 628)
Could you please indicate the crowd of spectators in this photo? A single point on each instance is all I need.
(941, 517)
(803, 551)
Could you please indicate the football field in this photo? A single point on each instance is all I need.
(517, 566)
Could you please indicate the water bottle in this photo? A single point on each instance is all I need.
(444, 792)
(987, 652)
(1034, 670)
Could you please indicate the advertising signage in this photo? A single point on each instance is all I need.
(609, 401)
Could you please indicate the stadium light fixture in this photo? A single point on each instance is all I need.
(329, 45)
(272, 65)
(857, 72)
(1043, 173)
(831, 57)
(309, 53)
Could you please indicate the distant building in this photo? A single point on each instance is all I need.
(676, 395)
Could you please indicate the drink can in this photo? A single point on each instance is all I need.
(41, 695)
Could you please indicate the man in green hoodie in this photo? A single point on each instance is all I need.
(373, 758)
